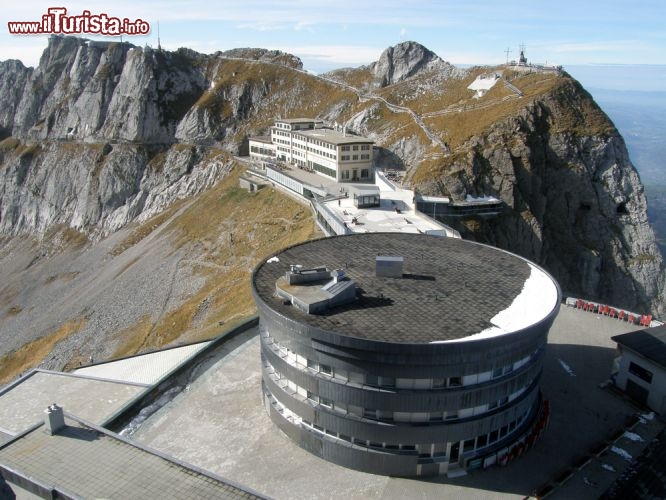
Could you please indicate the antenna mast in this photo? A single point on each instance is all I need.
(159, 46)
(508, 51)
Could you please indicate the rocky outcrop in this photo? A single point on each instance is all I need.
(96, 91)
(98, 189)
(13, 78)
(265, 55)
(574, 201)
(405, 60)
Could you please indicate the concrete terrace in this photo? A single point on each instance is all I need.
(396, 213)
(22, 404)
(96, 393)
(573, 459)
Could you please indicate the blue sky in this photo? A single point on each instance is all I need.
(326, 35)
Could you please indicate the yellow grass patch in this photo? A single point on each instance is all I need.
(31, 354)
(131, 340)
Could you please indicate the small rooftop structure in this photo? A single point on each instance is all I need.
(315, 290)
(365, 195)
(640, 368)
(388, 267)
(54, 419)
(649, 343)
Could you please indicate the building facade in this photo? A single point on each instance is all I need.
(305, 143)
(640, 367)
(432, 364)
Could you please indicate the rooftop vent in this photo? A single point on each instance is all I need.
(54, 419)
(388, 267)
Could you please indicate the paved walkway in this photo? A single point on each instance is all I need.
(22, 405)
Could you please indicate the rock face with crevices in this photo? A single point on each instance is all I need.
(575, 205)
(406, 59)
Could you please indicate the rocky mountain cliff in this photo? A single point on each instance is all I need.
(407, 59)
(103, 134)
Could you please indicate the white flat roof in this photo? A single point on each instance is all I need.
(334, 137)
(144, 369)
(297, 120)
(384, 218)
(536, 300)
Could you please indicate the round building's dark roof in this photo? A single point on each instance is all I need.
(451, 289)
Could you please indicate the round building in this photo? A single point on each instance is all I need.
(404, 354)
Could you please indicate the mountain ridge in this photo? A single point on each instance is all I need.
(103, 135)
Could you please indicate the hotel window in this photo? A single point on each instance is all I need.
(386, 382)
(345, 157)
(326, 369)
(355, 157)
(365, 157)
(370, 413)
(365, 147)
(345, 148)
(355, 148)
(364, 173)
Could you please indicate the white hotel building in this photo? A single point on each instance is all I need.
(305, 143)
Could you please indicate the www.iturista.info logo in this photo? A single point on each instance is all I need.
(57, 22)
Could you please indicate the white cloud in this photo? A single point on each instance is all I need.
(338, 54)
(304, 26)
(262, 26)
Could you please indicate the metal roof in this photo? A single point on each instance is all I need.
(649, 343)
(83, 460)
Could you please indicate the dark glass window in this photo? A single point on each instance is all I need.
(640, 372)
